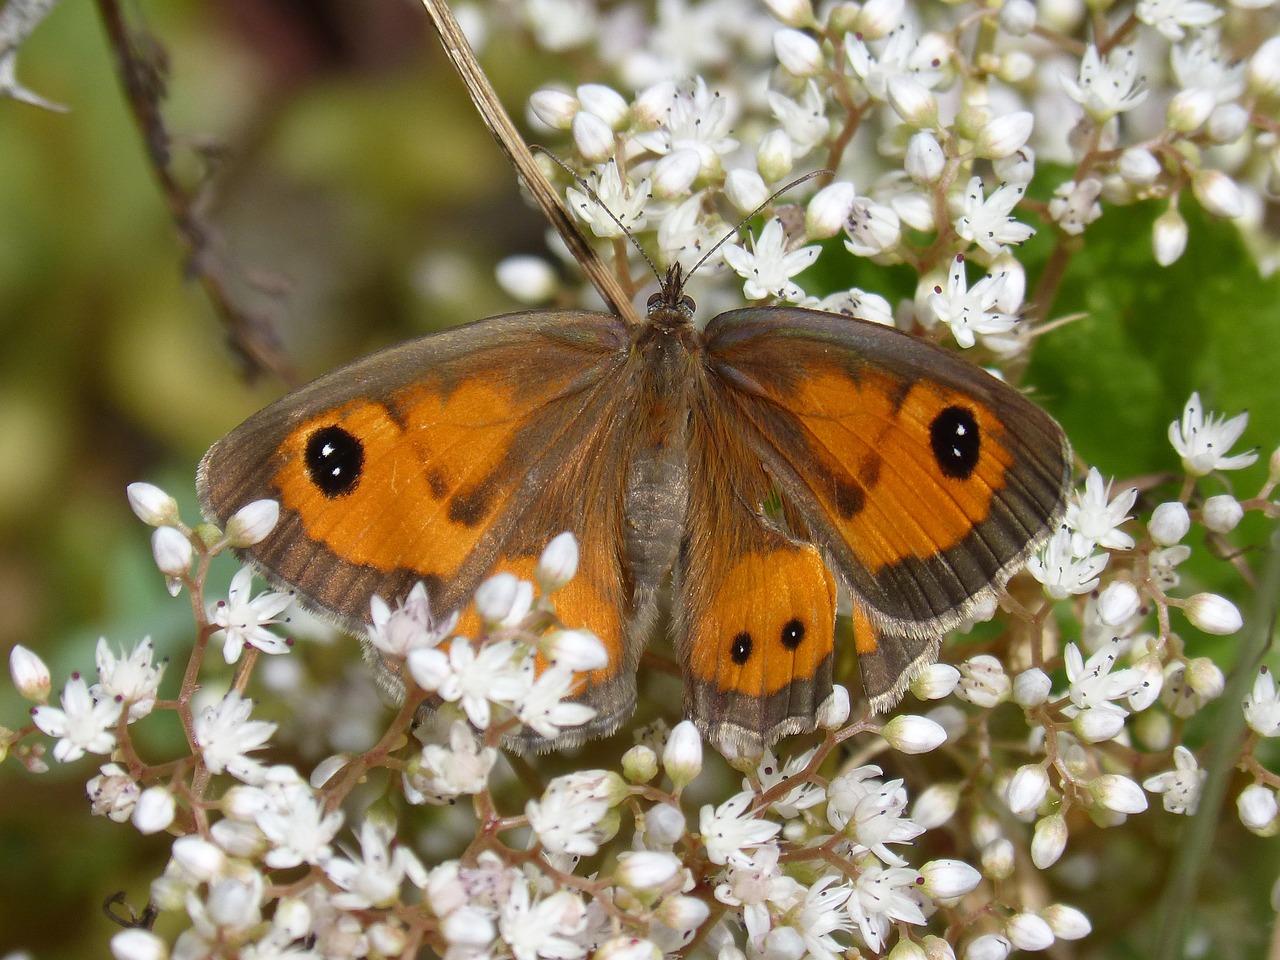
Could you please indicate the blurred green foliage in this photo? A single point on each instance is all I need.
(358, 201)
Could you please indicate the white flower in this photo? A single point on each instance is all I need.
(1170, 17)
(895, 55)
(983, 681)
(872, 228)
(1203, 441)
(1262, 705)
(1062, 573)
(83, 725)
(697, 119)
(854, 303)
(730, 829)
(970, 312)
(1181, 786)
(473, 680)
(545, 928)
(544, 707)
(802, 796)
(1202, 64)
(819, 917)
(132, 679)
(568, 817)
(562, 24)
(1075, 205)
(625, 201)
(295, 822)
(768, 267)
(1093, 688)
(987, 222)
(445, 773)
(1106, 87)
(243, 619)
(804, 120)
(882, 896)
(409, 626)
(224, 733)
(113, 793)
(1095, 520)
(373, 877)
(753, 885)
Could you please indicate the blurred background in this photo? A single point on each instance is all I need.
(355, 200)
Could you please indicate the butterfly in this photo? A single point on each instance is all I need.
(757, 465)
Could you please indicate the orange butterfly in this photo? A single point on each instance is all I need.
(904, 473)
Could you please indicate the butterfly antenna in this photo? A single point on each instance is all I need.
(591, 192)
(741, 223)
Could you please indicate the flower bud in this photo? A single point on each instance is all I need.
(683, 914)
(640, 764)
(555, 108)
(912, 101)
(1015, 66)
(664, 823)
(1205, 678)
(775, 156)
(526, 278)
(626, 948)
(252, 522)
(579, 650)
(1116, 793)
(138, 944)
(1005, 135)
(1213, 614)
(558, 563)
(1018, 17)
(468, 926)
(1264, 69)
(998, 859)
(1169, 236)
(829, 209)
(1096, 725)
(30, 675)
(1217, 193)
(948, 879)
(910, 734)
(925, 160)
(935, 681)
(906, 949)
(745, 189)
(652, 103)
(1028, 932)
(936, 948)
(682, 755)
(878, 17)
(674, 174)
(833, 712)
(1222, 513)
(605, 102)
(152, 505)
(1048, 841)
(1169, 523)
(1257, 808)
(1227, 123)
(498, 597)
(1118, 603)
(1139, 167)
(936, 805)
(799, 54)
(1067, 923)
(171, 550)
(645, 870)
(154, 810)
(1189, 109)
(198, 857)
(989, 946)
(1027, 788)
(1150, 674)
(794, 13)
(593, 137)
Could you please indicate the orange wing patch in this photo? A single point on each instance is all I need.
(408, 489)
(770, 622)
(907, 470)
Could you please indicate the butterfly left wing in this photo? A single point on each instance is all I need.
(926, 481)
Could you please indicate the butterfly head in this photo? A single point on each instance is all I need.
(671, 307)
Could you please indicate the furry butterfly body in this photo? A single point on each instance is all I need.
(902, 472)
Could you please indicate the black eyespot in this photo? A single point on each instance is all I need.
(740, 651)
(792, 634)
(334, 460)
(956, 442)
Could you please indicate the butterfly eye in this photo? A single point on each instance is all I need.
(956, 442)
(655, 301)
(335, 460)
(687, 306)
